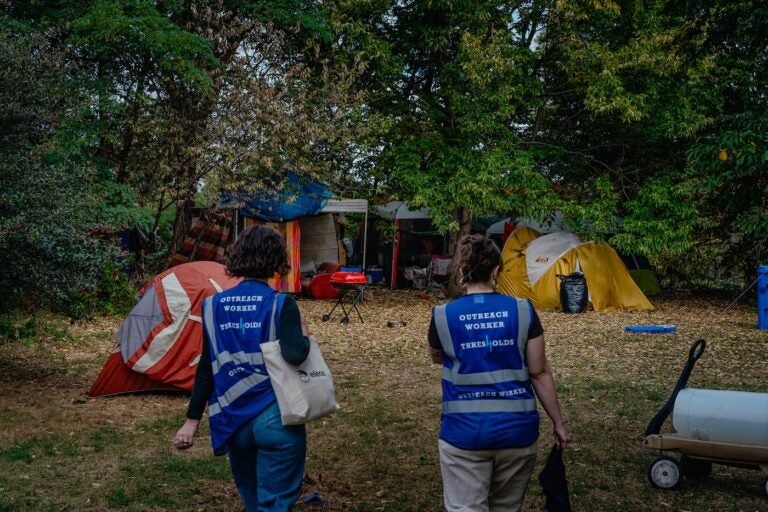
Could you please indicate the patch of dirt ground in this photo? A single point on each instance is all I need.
(379, 451)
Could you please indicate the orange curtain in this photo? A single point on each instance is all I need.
(291, 282)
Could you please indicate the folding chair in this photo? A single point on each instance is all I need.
(433, 278)
(439, 269)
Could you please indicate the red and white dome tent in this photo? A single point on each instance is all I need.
(160, 341)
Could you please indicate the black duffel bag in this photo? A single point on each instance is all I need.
(573, 293)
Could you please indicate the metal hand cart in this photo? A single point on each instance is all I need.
(697, 456)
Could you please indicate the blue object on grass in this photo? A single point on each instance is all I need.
(316, 498)
(654, 329)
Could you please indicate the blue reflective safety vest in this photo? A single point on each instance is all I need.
(236, 322)
(488, 398)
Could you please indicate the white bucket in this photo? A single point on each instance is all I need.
(738, 417)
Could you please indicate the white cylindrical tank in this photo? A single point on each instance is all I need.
(738, 417)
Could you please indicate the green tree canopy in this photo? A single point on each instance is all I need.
(644, 123)
(49, 198)
(612, 112)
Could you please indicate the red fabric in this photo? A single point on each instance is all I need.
(509, 228)
(320, 287)
(179, 364)
(116, 378)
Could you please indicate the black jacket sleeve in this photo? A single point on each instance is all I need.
(203, 382)
(294, 346)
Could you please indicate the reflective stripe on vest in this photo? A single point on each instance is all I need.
(529, 404)
(452, 374)
(456, 378)
(235, 392)
(254, 358)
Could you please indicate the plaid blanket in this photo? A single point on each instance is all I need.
(207, 238)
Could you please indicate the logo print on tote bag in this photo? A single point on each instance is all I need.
(306, 377)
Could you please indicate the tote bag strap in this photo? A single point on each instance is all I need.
(277, 307)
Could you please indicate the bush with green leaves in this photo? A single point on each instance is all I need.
(15, 327)
(52, 255)
(56, 205)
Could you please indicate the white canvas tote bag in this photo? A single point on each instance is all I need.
(305, 392)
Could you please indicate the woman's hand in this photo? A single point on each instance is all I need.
(185, 436)
(562, 437)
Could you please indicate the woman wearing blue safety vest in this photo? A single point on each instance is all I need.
(266, 458)
(491, 347)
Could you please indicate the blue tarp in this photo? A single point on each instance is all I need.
(298, 197)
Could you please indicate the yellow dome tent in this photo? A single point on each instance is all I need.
(533, 261)
(513, 279)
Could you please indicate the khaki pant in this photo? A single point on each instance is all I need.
(485, 480)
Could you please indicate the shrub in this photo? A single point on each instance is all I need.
(51, 258)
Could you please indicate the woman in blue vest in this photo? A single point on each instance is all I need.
(491, 347)
(266, 458)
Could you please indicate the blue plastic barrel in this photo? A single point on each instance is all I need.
(762, 297)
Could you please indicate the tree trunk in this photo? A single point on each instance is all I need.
(464, 220)
(181, 225)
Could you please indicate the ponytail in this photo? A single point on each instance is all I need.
(475, 259)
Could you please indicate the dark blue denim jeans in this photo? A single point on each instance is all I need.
(267, 461)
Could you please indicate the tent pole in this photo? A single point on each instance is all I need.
(395, 250)
(365, 238)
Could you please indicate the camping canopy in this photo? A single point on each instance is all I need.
(533, 261)
(300, 209)
(396, 210)
(415, 239)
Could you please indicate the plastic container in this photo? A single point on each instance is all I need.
(762, 297)
(737, 417)
(376, 275)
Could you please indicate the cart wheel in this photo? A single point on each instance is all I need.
(326, 318)
(695, 469)
(345, 319)
(664, 473)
